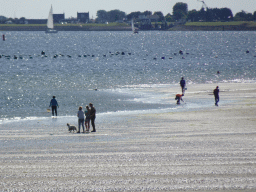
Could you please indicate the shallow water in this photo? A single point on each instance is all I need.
(87, 61)
(169, 152)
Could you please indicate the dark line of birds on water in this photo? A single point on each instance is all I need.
(88, 55)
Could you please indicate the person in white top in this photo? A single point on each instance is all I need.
(80, 115)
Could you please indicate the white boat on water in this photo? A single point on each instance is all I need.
(133, 28)
(50, 26)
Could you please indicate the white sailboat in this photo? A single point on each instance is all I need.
(133, 28)
(50, 27)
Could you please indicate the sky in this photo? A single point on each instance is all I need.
(39, 9)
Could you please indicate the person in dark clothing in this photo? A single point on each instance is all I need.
(216, 95)
(92, 116)
(178, 98)
(87, 118)
(54, 105)
(182, 84)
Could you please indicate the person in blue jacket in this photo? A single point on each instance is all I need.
(182, 84)
(54, 105)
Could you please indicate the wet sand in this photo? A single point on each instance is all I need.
(212, 149)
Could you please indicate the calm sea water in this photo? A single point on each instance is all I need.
(120, 65)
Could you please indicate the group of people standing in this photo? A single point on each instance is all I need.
(84, 118)
(89, 115)
(183, 85)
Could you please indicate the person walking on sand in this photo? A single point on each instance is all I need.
(182, 84)
(216, 95)
(178, 98)
(54, 105)
(87, 118)
(92, 116)
(80, 115)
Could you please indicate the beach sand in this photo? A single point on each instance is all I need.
(209, 149)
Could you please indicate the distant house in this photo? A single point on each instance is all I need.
(154, 18)
(146, 20)
(69, 20)
(58, 17)
(83, 17)
(142, 17)
(9, 22)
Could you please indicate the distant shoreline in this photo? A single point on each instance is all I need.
(65, 28)
(187, 27)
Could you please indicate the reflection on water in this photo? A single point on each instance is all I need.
(76, 64)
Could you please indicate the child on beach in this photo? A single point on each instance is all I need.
(80, 115)
(87, 118)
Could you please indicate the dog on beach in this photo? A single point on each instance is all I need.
(71, 127)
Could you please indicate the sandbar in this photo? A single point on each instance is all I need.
(209, 149)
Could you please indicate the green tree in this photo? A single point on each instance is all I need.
(209, 17)
(180, 10)
(16, 21)
(202, 14)
(147, 13)
(116, 15)
(216, 14)
(169, 18)
(240, 16)
(193, 15)
(22, 20)
(102, 16)
(160, 15)
(3, 19)
(226, 14)
(249, 17)
(134, 15)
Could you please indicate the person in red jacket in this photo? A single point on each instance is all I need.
(178, 98)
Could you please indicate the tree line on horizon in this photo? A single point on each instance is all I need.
(180, 12)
